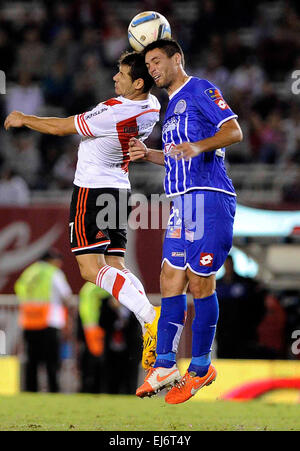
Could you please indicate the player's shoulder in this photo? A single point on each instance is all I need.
(111, 108)
(201, 84)
(114, 101)
(154, 101)
(195, 87)
(204, 90)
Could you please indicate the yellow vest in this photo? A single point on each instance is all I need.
(33, 289)
(90, 303)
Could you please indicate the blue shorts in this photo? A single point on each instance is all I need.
(199, 232)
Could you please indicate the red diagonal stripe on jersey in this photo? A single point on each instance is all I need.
(118, 284)
(125, 137)
(111, 102)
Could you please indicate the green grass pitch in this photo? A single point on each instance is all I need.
(77, 412)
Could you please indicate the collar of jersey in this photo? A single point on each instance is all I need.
(177, 90)
(124, 99)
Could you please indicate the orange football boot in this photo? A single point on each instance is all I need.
(189, 385)
(157, 379)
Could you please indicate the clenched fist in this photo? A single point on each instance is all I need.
(14, 119)
(185, 150)
(137, 150)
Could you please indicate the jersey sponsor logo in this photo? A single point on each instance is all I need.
(130, 130)
(180, 107)
(139, 128)
(177, 254)
(111, 165)
(213, 94)
(146, 125)
(174, 232)
(217, 98)
(170, 125)
(206, 259)
(168, 147)
(89, 116)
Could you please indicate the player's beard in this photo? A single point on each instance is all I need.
(164, 84)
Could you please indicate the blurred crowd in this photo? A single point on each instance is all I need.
(59, 59)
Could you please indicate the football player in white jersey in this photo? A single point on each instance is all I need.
(101, 180)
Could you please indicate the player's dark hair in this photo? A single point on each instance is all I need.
(138, 69)
(168, 46)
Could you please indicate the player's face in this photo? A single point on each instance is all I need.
(123, 81)
(161, 68)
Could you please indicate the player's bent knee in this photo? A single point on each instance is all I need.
(172, 281)
(115, 261)
(202, 287)
(86, 274)
(88, 271)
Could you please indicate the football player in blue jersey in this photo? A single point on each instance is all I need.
(198, 125)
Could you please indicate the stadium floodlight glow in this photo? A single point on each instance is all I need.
(244, 265)
(251, 222)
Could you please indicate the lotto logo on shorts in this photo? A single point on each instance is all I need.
(206, 259)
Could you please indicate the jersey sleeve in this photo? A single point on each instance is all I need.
(209, 100)
(95, 123)
(156, 103)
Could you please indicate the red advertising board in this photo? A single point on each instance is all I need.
(27, 232)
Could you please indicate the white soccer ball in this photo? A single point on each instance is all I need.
(147, 27)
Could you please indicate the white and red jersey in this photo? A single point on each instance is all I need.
(103, 155)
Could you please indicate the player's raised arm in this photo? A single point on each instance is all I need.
(229, 133)
(48, 125)
(139, 151)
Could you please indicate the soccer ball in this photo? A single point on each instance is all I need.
(147, 27)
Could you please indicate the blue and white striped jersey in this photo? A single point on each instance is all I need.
(195, 111)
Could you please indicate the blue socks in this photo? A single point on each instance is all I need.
(170, 326)
(203, 328)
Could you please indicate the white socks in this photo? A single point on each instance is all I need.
(136, 282)
(128, 290)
